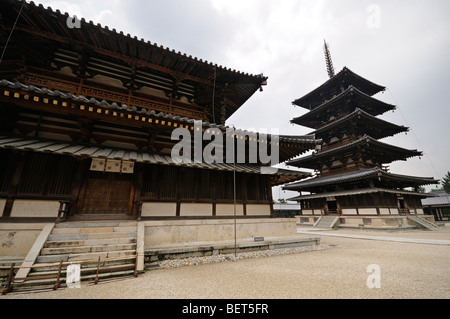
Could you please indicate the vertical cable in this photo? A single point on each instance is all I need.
(12, 30)
(213, 96)
(234, 195)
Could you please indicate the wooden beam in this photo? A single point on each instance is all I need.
(127, 59)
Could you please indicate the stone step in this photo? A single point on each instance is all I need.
(102, 255)
(423, 222)
(90, 264)
(75, 230)
(84, 271)
(63, 243)
(95, 224)
(46, 283)
(89, 242)
(326, 222)
(87, 249)
(51, 259)
(94, 235)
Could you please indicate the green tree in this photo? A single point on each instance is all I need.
(446, 182)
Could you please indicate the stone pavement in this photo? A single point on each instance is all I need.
(410, 269)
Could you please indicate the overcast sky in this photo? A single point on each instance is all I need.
(403, 45)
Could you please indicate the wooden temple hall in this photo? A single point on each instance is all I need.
(86, 117)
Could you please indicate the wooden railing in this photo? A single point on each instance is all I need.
(173, 107)
(9, 285)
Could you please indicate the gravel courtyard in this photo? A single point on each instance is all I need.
(337, 270)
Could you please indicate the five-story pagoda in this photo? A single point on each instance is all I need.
(352, 176)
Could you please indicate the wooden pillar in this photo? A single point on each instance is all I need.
(80, 186)
(15, 182)
(137, 182)
(180, 189)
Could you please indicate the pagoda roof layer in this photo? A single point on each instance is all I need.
(362, 174)
(371, 125)
(344, 103)
(37, 22)
(334, 86)
(358, 191)
(83, 150)
(382, 152)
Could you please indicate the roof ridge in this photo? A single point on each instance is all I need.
(349, 90)
(343, 71)
(353, 114)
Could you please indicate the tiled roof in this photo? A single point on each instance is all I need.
(367, 102)
(441, 199)
(95, 151)
(361, 114)
(314, 97)
(355, 176)
(399, 152)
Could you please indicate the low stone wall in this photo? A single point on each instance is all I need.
(306, 220)
(156, 255)
(158, 233)
(394, 221)
(16, 239)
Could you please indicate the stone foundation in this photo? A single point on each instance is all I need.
(191, 231)
(379, 221)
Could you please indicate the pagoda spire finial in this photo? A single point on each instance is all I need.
(330, 68)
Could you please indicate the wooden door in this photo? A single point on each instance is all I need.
(107, 193)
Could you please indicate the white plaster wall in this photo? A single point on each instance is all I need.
(307, 211)
(188, 209)
(367, 211)
(349, 211)
(384, 211)
(34, 208)
(159, 209)
(228, 209)
(393, 210)
(255, 209)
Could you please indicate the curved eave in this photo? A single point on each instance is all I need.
(366, 121)
(317, 117)
(314, 99)
(284, 176)
(354, 192)
(380, 148)
(363, 174)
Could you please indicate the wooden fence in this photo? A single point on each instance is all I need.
(57, 277)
